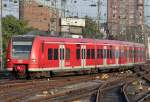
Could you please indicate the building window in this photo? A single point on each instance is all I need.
(50, 54)
(5, 5)
(67, 54)
(55, 54)
(15, 1)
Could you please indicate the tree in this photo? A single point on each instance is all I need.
(90, 29)
(11, 27)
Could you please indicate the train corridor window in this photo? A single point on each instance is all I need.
(77, 53)
(55, 54)
(88, 54)
(50, 54)
(92, 53)
(67, 54)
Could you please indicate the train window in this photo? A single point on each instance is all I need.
(100, 53)
(61, 54)
(111, 53)
(105, 53)
(117, 53)
(67, 54)
(83, 53)
(77, 53)
(55, 54)
(108, 51)
(130, 53)
(50, 54)
(88, 54)
(92, 53)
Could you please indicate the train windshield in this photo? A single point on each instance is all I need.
(21, 49)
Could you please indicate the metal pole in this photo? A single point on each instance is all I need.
(1, 47)
(98, 16)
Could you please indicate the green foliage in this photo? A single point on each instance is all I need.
(90, 29)
(11, 27)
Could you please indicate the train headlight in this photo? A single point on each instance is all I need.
(8, 60)
(33, 60)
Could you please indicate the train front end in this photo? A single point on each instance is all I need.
(18, 54)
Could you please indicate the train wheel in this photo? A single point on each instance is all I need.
(51, 74)
(27, 74)
(15, 74)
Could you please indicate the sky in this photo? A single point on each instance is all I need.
(147, 12)
(82, 8)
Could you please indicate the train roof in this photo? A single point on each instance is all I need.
(85, 40)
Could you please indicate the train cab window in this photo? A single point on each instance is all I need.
(92, 53)
(50, 54)
(77, 53)
(55, 54)
(67, 54)
(88, 54)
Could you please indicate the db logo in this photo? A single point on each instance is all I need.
(20, 61)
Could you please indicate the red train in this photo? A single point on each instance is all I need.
(28, 54)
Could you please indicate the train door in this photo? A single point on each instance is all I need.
(117, 54)
(72, 55)
(135, 54)
(83, 60)
(99, 55)
(121, 55)
(51, 60)
(105, 56)
(110, 55)
(90, 56)
(125, 57)
(77, 56)
(61, 56)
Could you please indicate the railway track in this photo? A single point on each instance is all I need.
(20, 90)
(112, 91)
(45, 90)
(117, 90)
(144, 75)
